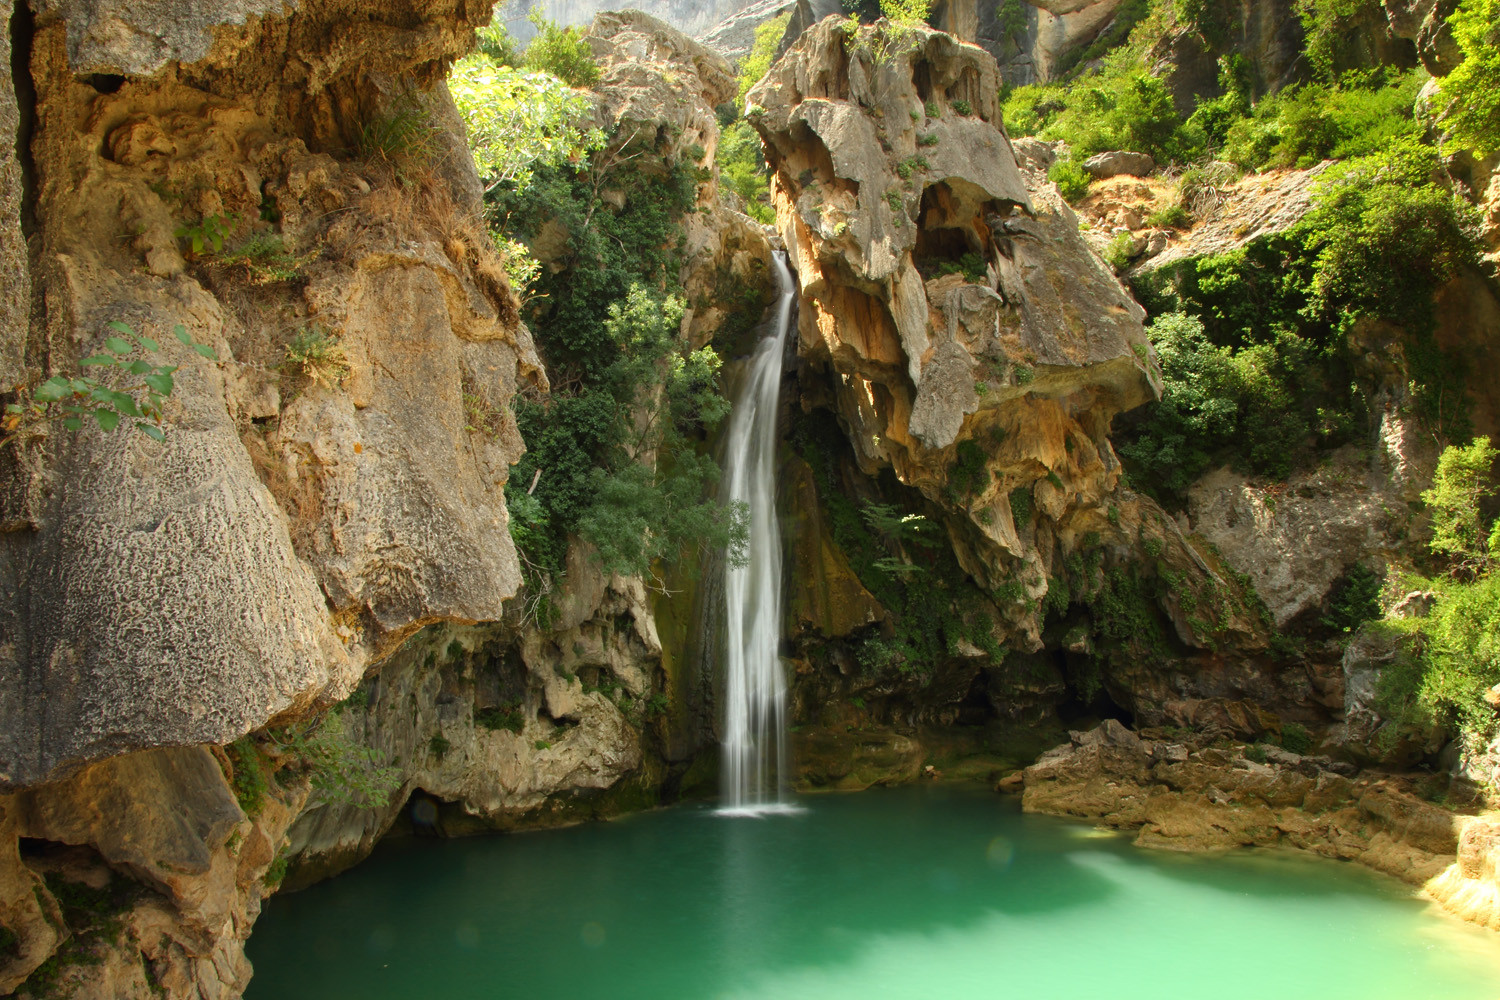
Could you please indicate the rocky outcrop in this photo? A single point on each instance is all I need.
(1235, 212)
(138, 877)
(1191, 797)
(734, 36)
(695, 19)
(871, 191)
(1296, 539)
(287, 532)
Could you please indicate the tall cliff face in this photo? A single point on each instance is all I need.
(286, 532)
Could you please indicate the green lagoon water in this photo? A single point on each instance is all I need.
(903, 894)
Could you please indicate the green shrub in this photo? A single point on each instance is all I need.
(276, 871)
(1472, 91)
(439, 745)
(1021, 505)
(250, 770)
(1117, 254)
(340, 769)
(1256, 752)
(742, 168)
(963, 107)
(404, 139)
(1295, 738)
(1355, 599)
(1460, 487)
(507, 717)
(1071, 179)
(318, 355)
(1363, 113)
(1171, 217)
(563, 52)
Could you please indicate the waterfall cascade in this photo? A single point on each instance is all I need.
(755, 757)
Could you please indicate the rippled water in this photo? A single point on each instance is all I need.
(919, 892)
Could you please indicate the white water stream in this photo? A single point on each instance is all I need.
(755, 755)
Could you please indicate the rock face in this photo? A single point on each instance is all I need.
(171, 870)
(734, 36)
(871, 191)
(1185, 798)
(286, 532)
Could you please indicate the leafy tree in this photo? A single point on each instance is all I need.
(562, 52)
(1473, 89)
(906, 12)
(742, 168)
(767, 37)
(1461, 485)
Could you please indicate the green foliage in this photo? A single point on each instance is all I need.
(206, 235)
(1363, 113)
(968, 476)
(318, 355)
(1117, 253)
(1256, 752)
(897, 201)
(1295, 738)
(439, 745)
(742, 168)
(900, 555)
(767, 37)
(1122, 107)
(1472, 91)
(1332, 39)
(276, 871)
(507, 717)
(1385, 236)
(1355, 599)
(518, 121)
(340, 769)
(963, 107)
(562, 52)
(1021, 505)
(404, 139)
(129, 389)
(1071, 179)
(1260, 405)
(250, 770)
(608, 328)
(495, 42)
(264, 258)
(1171, 217)
(906, 12)
(1461, 485)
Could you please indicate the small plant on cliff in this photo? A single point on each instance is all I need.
(129, 389)
(318, 355)
(1460, 488)
(340, 769)
(264, 259)
(1118, 253)
(507, 717)
(403, 139)
(207, 235)
(1295, 738)
(1071, 179)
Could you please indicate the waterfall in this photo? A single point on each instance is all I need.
(755, 756)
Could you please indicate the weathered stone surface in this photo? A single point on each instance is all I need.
(1113, 164)
(1295, 539)
(139, 37)
(1217, 799)
(15, 278)
(1236, 213)
(825, 595)
(734, 36)
(167, 819)
(853, 760)
(286, 532)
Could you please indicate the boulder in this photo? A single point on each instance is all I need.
(1118, 162)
